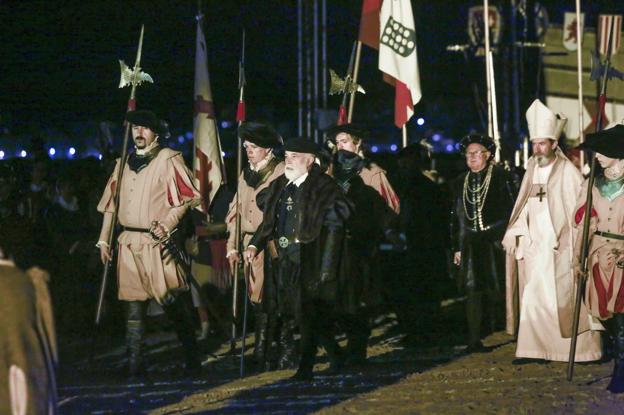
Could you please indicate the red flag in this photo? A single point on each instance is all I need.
(207, 160)
(369, 23)
(240, 111)
(342, 115)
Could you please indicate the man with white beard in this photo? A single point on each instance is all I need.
(539, 241)
(303, 229)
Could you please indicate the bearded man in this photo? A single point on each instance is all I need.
(303, 228)
(155, 192)
(539, 244)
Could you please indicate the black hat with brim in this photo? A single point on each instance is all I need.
(259, 134)
(609, 142)
(146, 118)
(301, 145)
(484, 140)
(354, 130)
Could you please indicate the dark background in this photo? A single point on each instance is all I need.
(59, 62)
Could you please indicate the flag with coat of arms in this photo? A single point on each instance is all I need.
(398, 58)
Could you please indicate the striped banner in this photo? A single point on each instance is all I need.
(609, 33)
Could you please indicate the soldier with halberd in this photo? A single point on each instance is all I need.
(539, 245)
(481, 203)
(155, 193)
(264, 167)
(303, 229)
(604, 292)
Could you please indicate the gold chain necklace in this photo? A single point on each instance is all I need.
(476, 196)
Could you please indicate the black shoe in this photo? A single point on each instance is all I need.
(476, 348)
(303, 375)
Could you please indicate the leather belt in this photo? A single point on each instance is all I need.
(610, 235)
(131, 229)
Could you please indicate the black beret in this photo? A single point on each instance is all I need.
(262, 135)
(148, 119)
(484, 140)
(301, 145)
(609, 142)
(354, 130)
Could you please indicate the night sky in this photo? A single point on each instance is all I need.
(59, 58)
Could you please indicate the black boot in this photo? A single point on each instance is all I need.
(134, 337)
(179, 312)
(260, 345)
(473, 318)
(617, 379)
(288, 350)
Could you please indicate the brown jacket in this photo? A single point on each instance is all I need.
(28, 354)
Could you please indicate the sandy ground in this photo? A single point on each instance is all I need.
(428, 379)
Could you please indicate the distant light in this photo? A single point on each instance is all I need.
(223, 153)
(420, 121)
(23, 153)
(189, 135)
(180, 139)
(393, 147)
(436, 137)
(226, 124)
(374, 149)
(100, 156)
(1, 154)
(449, 147)
(52, 151)
(457, 145)
(72, 151)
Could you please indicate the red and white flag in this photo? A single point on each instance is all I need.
(369, 23)
(398, 57)
(207, 151)
(606, 36)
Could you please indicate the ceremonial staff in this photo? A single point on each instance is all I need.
(602, 99)
(133, 77)
(491, 82)
(347, 87)
(240, 118)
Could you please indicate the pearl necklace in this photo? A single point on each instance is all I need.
(476, 196)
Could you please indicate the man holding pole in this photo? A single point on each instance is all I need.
(604, 293)
(155, 192)
(538, 242)
(259, 140)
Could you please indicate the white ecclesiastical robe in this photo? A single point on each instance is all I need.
(539, 334)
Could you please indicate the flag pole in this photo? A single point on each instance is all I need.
(356, 70)
(491, 82)
(240, 117)
(579, 78)
(133, 78)
(486, 31)
(404, 135)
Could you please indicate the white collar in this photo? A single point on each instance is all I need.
(299, 179)
(262, 163)
(144, 151)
